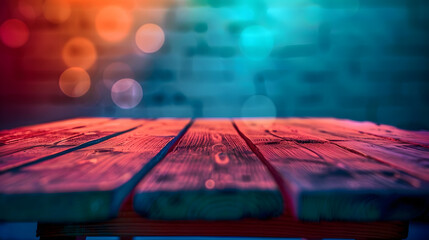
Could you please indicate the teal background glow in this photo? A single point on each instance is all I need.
(355, 59)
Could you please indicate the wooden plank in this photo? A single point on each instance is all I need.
(22, 138)
(420, 138)
(131, 224)
(87, 184)
(56, 139)
(325, 181)
(210, 174)
(60, 124)
(410, 158)
(9, 136)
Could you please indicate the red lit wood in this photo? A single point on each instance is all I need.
(325, 181)
(325, 169)
(25, 145)
(413, 159)
(385, 131)
(10, 139)
(23, 132)
(87, 184)
(210, 174)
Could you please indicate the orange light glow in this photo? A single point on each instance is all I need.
(79, 52)
(14, 33)
(57, 11)
(210, 184)
(113, 23)
(30, 8)
(74, 82)
(126, 4)
(150, 38)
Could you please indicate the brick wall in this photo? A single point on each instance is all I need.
(362, 60)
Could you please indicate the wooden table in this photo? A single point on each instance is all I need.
(283, 177)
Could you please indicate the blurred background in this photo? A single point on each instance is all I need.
(355, 59)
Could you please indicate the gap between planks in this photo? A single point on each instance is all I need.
(69, 200)
(254, 149)
(287, 199)
(211, 174)
(383, 197)
(19, 165)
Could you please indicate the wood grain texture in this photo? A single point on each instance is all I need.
(410, 158)
(23, 132)
(87, 184)
(131, 224)
(10, 137)
(26, 145)
(210, 174)
(420, 138)
(325, 181)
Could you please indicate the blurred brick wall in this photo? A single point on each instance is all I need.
(362, 60)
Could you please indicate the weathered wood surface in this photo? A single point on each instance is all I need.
(28, 145)
(11, 138)
(326, 169)
(24, 134)
(326, 181)
(385, 131)
(88, 184)
(38, 129)
(130, 224)
(210, 174)
(413, 159)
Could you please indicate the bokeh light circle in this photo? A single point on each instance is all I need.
(256, 42)
(56, 11)
(30, 8)
(258, 106)
(115, 71)
(79, 52)
(210, 184)
(150, 38)
(113, 23)
(14, 33)
(74, 82)
(126, 93)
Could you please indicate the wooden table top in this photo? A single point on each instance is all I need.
(82, 170)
